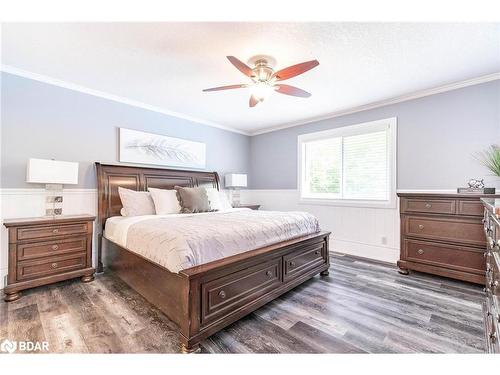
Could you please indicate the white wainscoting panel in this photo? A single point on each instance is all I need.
(18, 203)
(365, 232)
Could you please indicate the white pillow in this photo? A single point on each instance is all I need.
(218, 200)
(166, 201)
(136, 203)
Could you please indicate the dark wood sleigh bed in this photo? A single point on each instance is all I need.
(203, 299)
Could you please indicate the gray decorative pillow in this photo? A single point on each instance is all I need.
(193, 200)
(136, 203)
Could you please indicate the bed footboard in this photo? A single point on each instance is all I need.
(224, 291)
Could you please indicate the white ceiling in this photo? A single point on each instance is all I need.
(166, 65)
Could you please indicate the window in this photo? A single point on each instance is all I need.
(353, 165)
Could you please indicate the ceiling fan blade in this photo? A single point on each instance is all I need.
(253, 101)
(225, 87)
(295, 70)
(241, 66)
(292, 90)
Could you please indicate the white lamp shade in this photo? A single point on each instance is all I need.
(235, 180)
(44, 171)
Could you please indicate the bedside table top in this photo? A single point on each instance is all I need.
(47, 220)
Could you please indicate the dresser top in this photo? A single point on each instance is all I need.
(448, 195)
(47, 220)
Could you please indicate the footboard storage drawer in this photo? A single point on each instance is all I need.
(228, 293)
(304, 260)
(462, 258)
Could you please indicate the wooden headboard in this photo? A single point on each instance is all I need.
(110, 177)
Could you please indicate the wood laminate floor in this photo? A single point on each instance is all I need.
(362, 307)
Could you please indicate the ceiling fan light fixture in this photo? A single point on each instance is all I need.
(262, 90)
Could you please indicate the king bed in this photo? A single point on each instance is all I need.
(203, 270)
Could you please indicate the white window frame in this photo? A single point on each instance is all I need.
(363, 128)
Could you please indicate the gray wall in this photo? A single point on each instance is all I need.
(45, 121)
(437, 136)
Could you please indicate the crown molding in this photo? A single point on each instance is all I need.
(383, 103)
(398, 99)
(120, 99)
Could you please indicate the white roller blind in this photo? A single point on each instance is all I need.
(365, 166)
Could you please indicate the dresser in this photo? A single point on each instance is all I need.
(491, 306)
(443, 234)
(45, 250)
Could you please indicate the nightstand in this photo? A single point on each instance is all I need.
(45, 250)
(251, 206)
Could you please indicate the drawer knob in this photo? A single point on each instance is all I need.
(269, 274)
(55, 247)
(420, 226)
(292, 264)
(317, 252)
(55, 231)
(222, 294)
(420, 251)
(494, 284)
(428, 205)
(54, 265)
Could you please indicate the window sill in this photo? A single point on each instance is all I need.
(349, 203)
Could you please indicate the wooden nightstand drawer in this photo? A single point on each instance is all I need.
(30, 269)
(27, 233)
(51, 248)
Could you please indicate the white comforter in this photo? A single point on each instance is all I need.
(181, 241)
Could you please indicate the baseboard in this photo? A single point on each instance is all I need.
(364, 259)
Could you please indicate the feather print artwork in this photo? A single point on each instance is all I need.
(147, 148)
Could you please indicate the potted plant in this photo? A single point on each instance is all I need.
(490, 158)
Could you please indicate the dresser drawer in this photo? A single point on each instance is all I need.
(28, 233)
(303, 261)
(30, 269)
(444, 255)
(224, 295)
(51, 248)
(434, 206)
(463, 231)
(470, 208)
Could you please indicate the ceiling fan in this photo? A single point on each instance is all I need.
(265, 80)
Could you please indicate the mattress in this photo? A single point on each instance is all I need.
(180, 241)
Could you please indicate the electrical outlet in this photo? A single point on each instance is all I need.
(383, 240)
